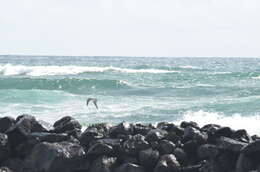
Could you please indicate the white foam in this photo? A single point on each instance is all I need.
(189, 67)
(257, 77)
(9, 70)
(236, 121)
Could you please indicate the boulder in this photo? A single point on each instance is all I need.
(167, 163)
(155, 135)
(244, 163)
(191, 133)
(52, 157)
(103, 164)
(123, 128)
(91, 134)
(207, 151)
(6, 123)
(185, 124)
(66, 124)
(4, 148)
(224, 131)
(232, 145)
(135, 144)
(166, 147)
(242, 136)
(148, 158)
(129, 167)
(142, 129)
(181, 156)
(25, 124)
(99, 149)
(170, 127)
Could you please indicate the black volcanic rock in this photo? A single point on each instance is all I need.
(4, 148)
(167, 163)
(52, 157)
(25, 124)
(149, 158)
(99, 149)
(128, 167)
(166, 147)
(155, 135)
(135, 144)
(6, 123)
(66, 124)
(123, 128)
(103, 164)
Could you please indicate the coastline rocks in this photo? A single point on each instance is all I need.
(50, 157)
(28, 145)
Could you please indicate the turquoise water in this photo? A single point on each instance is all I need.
(134, 89)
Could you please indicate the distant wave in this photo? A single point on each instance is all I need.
(12, 70)
(189, 67)
(236, 121)
(72, 85)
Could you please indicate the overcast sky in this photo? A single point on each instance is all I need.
(130, 27)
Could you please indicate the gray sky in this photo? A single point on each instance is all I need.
(130, 27)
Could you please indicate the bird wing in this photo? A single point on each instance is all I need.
(95, 103)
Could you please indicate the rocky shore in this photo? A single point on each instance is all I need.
(30, 145)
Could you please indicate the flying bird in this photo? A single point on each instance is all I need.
(94, 100)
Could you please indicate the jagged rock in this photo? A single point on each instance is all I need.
(123, 128)
(251, 148)
(225, 143)
(207, 151)
(185, 124)
(190, 149)
(4, 148)
(135, 144)
(6, 123)
(66, 124)
(89, 135)
(224, 131)
(25, 124)
(99, 149)
(142, 129)
(244, 164)
(103, 164)
(181, 156)
(242, 136)
(149, 158)
(224, 162)
(128, 167)
(166, 147)
(173, 137)
(170, 127)
(167, 163)
(191, 133)
(155, 135)
(52, 157)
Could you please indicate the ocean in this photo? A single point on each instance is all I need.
(224, 91)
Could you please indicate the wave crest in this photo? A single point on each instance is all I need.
(236, 121)
(12, 70)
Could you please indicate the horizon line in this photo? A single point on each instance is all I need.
(33, 55)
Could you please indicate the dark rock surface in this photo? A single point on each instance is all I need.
(28, 145)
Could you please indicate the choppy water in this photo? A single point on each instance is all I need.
(141, 89)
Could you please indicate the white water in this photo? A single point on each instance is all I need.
(10, 70)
